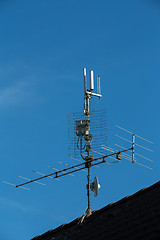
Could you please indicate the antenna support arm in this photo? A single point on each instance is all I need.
(93, 94)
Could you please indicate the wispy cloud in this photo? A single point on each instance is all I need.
(15, 94)
(4, 202)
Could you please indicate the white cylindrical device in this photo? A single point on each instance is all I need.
(84, 76)
(99, 86)
(91, 81)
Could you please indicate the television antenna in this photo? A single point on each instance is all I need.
(90, 156)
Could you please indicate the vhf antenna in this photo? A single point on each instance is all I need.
(84, 140)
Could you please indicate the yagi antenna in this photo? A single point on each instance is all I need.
(135, 144)
(89, 143)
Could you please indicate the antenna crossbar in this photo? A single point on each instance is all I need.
(94, 94)
(51, 174)
(75, 168)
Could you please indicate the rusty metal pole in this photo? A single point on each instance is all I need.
(87, 97)
(88, 192)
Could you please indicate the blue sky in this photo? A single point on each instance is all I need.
(44, 46)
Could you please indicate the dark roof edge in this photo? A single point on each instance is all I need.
(63, 226)
(95, 212)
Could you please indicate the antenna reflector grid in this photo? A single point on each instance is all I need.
(98, 130)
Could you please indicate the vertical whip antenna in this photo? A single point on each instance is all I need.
(84, 76)
(98, 85)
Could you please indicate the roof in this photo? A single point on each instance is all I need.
(133, 217)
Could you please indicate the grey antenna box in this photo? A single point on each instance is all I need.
(78, 131)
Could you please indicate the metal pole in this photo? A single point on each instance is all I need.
(87, 113)
(88, 159)
(88, 192)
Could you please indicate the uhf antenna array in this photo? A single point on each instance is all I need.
(76, 139)
(84, 138)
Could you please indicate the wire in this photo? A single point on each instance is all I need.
(81, 145)
(95, 105)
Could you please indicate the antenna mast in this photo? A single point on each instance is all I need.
(88, 136)
(83, 127)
